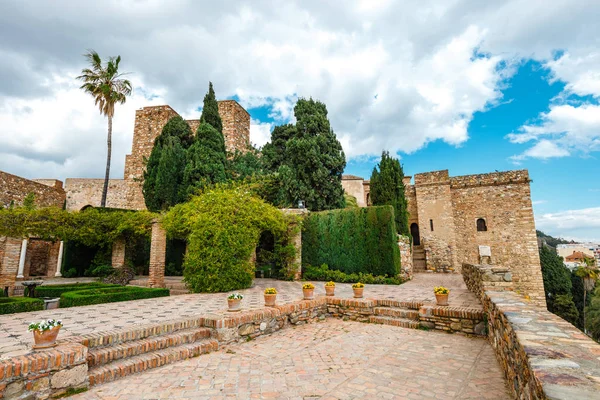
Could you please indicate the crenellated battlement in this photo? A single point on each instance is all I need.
(491, 179)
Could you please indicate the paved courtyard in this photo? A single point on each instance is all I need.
(15, 340)
(327, 360)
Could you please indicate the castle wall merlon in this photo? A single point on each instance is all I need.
(432, 178)
(491, 179)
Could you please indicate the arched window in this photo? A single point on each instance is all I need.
(481, 225)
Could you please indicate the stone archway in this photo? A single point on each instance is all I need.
(414, 232)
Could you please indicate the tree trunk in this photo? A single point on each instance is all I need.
(106, 176)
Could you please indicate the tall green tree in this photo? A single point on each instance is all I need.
(106, 85)
(593, 315)
(557, 285)
(589, 275)
(206, 160)
(273, 152)
(247, 164)
(210, 110)
(309, 159)
(387, 188)
(163, 177)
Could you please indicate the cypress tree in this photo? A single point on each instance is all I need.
(206, 160)
(273, 152)
(387, 188)
(163, 176)
(309, 159)
(210, 110)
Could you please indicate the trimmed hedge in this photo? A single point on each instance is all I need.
(352, 240)
(109, 295)
(9, 305)
(323, 273)
(58, 290)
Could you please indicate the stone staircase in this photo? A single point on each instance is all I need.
(114, 357)
(175, 284)
(402, 314)
(419, 264)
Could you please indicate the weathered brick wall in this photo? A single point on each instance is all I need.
(434, 207)
(503, 200)
(236, 125)
(88, 192)
(9, 263)
(14, 189)
(37, 258)
(480, 278)
(406, 258)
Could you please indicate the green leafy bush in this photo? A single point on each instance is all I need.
(9, 305)
(323, 273)
(352, 241)
(109, 295)
(58, 290)
(223, 227)
(99, 271)
(70, 273)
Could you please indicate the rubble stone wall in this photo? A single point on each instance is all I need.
(14, 189)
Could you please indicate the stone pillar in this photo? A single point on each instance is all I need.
(61, 249)
(10, 263)
(118, 253)
(158, 251)
(22, 259)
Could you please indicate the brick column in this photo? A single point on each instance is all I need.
(118, 253)
(158, 250)
(10, 263)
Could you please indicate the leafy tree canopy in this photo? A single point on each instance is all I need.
(222, 227)
(387, 188)
(308, 158)
(163, 177)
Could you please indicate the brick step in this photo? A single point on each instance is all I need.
(410, 305)
(104, 355)
(404, 323)
(128, 366)
(397, 313)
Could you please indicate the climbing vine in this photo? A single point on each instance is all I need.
(222, 227)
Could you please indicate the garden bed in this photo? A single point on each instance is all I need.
(10, 305)
(58, 290)
(109, 295)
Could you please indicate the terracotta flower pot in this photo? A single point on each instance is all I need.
(270, 300)
(330, 290)
(442, 299)
(309, 294)
(358, 292)
(234, 304)
(45, 339)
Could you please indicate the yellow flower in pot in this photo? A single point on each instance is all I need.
(270, 296)
(308, 289)
(358, 289)
(441, 295)
(330, 288)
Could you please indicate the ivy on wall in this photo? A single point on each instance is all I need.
(222, 227)
(91, 227)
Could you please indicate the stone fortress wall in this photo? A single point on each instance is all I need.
(48, 192)
(149, 121)
(452, 206)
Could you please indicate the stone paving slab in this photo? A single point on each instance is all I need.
(327, 360)
(15, 340)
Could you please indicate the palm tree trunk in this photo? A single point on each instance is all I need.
(107, 174)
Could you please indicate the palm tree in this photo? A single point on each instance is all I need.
(108, 88)
(589, 273)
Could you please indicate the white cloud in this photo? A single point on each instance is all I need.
(564, 130)
(537, 202)
(260, 132)
(583, 223)
(394, 76)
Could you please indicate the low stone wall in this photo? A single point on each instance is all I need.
(406, 257)
(480, 278)
(42, 374)
(453, 320)
(542, 355)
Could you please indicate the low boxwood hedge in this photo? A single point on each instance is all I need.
(9, 305)
(109, 295)
(58, 290)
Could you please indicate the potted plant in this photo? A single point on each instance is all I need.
(308, 289)
(330, 288)
(270, 296)
(45, 333)
(234, 301)
(358, 289)
(441, 295)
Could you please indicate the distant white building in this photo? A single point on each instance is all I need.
(571, 252)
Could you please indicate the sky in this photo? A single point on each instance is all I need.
(463, 85)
